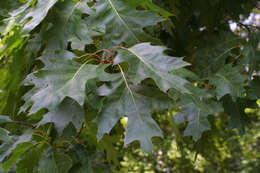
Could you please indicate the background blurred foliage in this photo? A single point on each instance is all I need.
(219, 150)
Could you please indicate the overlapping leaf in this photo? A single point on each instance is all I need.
(37, 13)
(106, 144)
(16, 153)
(235, 109)
(213, 52)
(196, 114)
(124, 24)
(149, 4)
(11, 142)
(68, 111)
(55, 163)
(137, 103)
(61, 77)
(195, 110)
(147, 61)
(197, 120)
(67, 24)
(229, 81)
(30, 15)
(30, 159)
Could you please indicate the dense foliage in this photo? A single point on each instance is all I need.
(84, 84)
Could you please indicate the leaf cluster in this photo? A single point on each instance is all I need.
(71, 70)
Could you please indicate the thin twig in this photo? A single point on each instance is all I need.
(95, 53)
(89, 60)
(116, 47)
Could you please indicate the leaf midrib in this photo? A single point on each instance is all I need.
(73, 77)
(133, 98)
(122, 20)
(140, 58)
